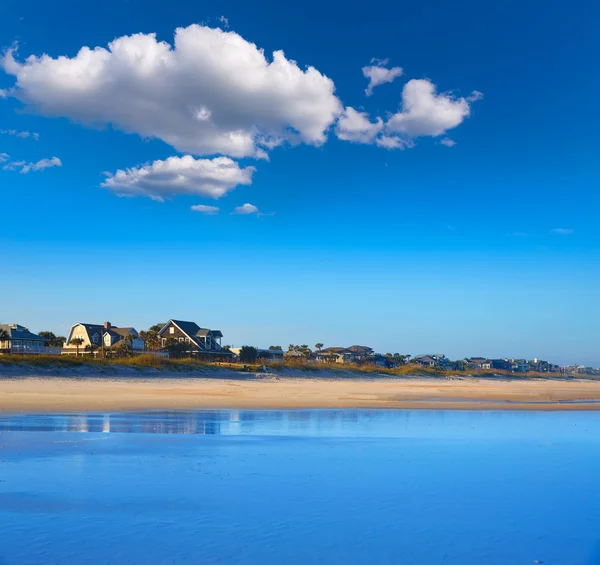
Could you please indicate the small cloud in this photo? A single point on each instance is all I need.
(161, 180)
(27, 167)
(246, 209)
(224, 21)
(394, 142)
(474, 96)
(3, 93)
(3, 157)
(41, 165)
(562, 231)
(21, 134)
(448, 142)
(378, 73)
(207, 210)
(14, 165)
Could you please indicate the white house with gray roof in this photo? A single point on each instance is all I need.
(102, 336)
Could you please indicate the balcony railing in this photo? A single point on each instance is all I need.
(34, 350)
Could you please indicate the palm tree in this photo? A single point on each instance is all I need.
(91, 349)
(5, 336)
(77, 342)
(319, 346)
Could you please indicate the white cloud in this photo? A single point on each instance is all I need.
(41, 165)
(224, 21)
(378, 73)
(394, 142)
(202, 209)
(246, 209)
(447, 142)
(25, 167)
(180, 175)
(3, 93)
(22, 134)
(474, 96)
(356, 127)
(212, 92)
(423, 113)
(426, 113)
(4, 157)
(562, 231)
(14, 165)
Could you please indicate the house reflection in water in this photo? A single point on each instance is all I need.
(201, 422)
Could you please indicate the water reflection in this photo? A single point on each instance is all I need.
(313, 423)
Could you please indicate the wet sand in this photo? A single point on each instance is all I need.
(56, 394)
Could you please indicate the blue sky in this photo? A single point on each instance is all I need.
(486, 247)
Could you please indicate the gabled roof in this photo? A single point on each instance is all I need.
(425, 358)
(189, 328)
(192, 330)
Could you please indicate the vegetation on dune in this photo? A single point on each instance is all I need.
(298, 364)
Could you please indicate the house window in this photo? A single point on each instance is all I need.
(95, 338)
(171, 330)
(180, 340)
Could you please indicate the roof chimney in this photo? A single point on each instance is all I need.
(106, 325)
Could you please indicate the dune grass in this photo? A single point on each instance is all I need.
(153, 362)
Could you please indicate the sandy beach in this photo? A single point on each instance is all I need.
(107, 393)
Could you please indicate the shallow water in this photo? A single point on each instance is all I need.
(297, 487)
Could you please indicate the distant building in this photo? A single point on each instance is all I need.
(335, 355)
(294, 354)
(478, 363)
(22, 341)
(361, 352)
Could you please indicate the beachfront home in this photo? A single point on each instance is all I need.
(478, 363)
(335, 355)
(19, 340)
(101, 337)
(195, 341)
(425, 360)
(361, 352)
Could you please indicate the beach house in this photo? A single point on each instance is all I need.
(17, 339)
(335, 355)
(101, 337)
(194, 340)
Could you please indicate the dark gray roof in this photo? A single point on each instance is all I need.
(360, 348)
(20, 332)
(425, 358)
(122, 331)
(190, 328)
